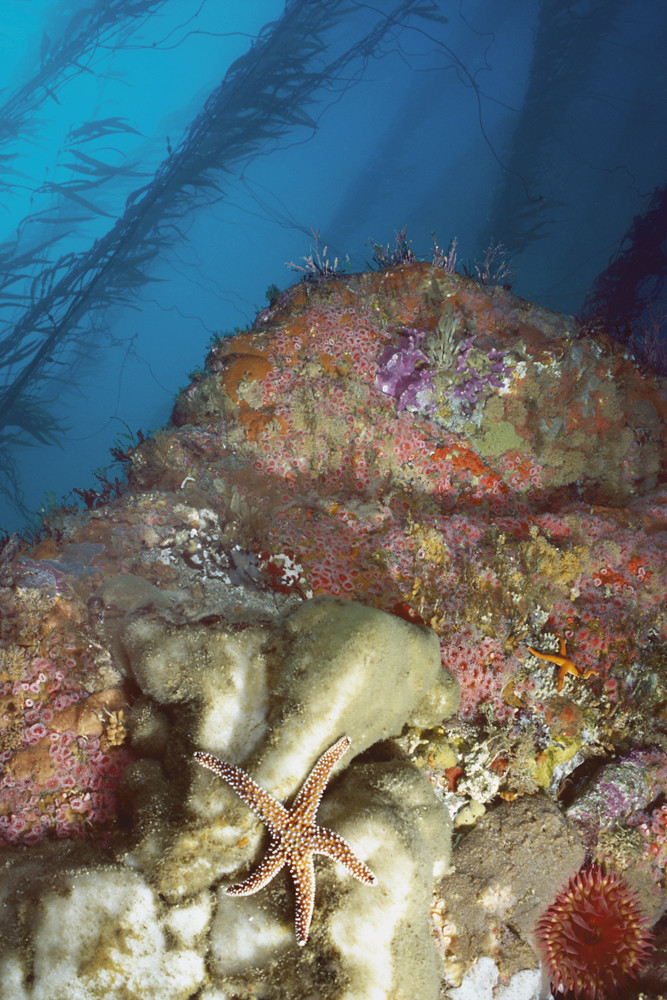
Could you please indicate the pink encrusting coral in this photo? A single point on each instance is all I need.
(61, 760)
(654, 832)
(482, 668)
(79, 797)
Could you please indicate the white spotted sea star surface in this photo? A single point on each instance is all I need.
(295, 837)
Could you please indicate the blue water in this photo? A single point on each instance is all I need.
(541, 126)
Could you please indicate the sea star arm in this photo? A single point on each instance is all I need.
(269, 810)
(307, 801)
(563, 662)
(270, 866)
(335, 847)
(302, 871)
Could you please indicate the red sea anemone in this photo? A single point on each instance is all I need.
(594, 936)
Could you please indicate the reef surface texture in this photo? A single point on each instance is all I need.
(404, 507)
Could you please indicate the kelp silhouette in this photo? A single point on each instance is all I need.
(108, 23)
(629, 298)
(263, 96)
(525, 205)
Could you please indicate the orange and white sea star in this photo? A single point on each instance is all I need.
(295, 837)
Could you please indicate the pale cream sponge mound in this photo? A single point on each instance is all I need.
(97, 932)
(332, 667)
(269, 698)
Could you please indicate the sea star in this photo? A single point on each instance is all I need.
(565, 664)
(295, 838)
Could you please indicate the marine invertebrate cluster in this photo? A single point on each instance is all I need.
(594, 937)
(62, 746)
(654, 832)
(390, 256)
(316, 266)
(77, 797)
(482, 668)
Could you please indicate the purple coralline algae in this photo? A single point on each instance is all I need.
(622, 789)
(474, 376)
(403, 372)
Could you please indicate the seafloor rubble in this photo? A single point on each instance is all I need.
(403, 506)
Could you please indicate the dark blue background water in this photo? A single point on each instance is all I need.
(538, 125)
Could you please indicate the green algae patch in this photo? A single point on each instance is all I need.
(500, 435)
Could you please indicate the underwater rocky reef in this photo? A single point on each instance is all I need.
(405, 507)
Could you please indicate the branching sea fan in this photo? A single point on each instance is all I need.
(594, 936)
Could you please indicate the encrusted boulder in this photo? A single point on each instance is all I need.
(402, 506)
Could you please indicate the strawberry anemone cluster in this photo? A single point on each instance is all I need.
(594, 936)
